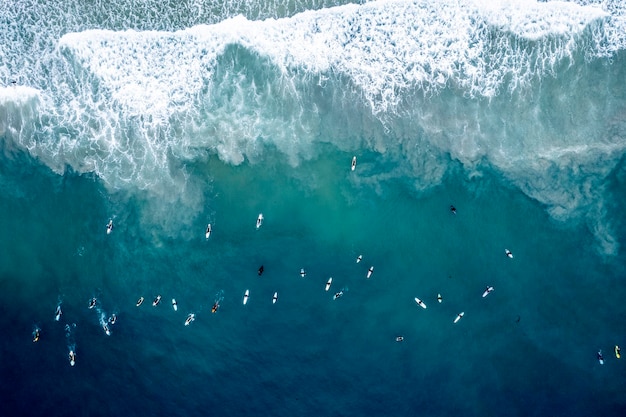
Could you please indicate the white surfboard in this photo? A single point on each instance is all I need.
(302, 272)
(156, 301)
(106, 329)
(191, 317)
(330, 281)
(369, 272)
(109, 227)
(338, 294)
(275, 298)
(259, 220)
(439, 298)
(58, 312)
(72, 357)
(174, 304)
(359, 258)
(353, 163)
(459, 316)
(420, 302)
(207, 233)
(487, 291)
(245, 297)
(508, 253)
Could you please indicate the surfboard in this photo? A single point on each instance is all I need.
(140, 301)
(245, 297)
(109, 227)
(72, 357)
(618, 352)
(459, 316)
(330, 281)
(600, 357)
(439, 298)
(58, 312)
(353, 166)
(302, 272)
(337, 295)
(156, 301)
(420, 302)
(359, 258)
(208, 231)
(191, 317)
(275, 298)
(369, 272)
(106, 329)
(508, 253)
(259, 220)
(487, 291)
(174, 304)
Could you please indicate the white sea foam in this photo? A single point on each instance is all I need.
(410, 79)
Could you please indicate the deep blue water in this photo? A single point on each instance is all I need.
(527, 144)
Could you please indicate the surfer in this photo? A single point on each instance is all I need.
(452, 209)
(439, 298)
(140, 301)
(618, 352)
(92, 302)
(57, 314)
(600, 357)
(216, 305)
(487, 291)
(110, 227)
(338, 294)
(399, 338)
(106, 329)
(72, 358)
(191, 317)
(302, 272)
(36, 335)
(508, 253)
(261, 269)
(113, 318)
(156, 301)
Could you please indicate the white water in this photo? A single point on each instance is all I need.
(410, 80)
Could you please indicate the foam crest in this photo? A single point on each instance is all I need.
(19, 111)
(407, 79)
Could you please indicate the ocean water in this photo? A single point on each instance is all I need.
(167, 116)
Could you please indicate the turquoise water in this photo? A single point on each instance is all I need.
(515, 118)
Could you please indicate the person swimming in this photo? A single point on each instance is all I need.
(338, 294)
(453, 209)
(215, 307)
(261, 269)
(92, 302)
(113, 318)
(36, 335)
